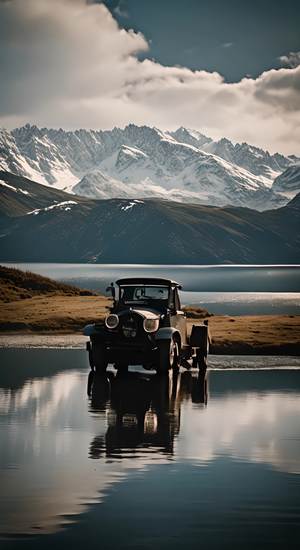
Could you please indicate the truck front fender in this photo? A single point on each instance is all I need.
(90, 330)
(166, 333)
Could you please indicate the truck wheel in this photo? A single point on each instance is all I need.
(168, 355)
(98, 357)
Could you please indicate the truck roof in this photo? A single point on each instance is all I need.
(147, 281)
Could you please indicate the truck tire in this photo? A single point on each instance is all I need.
(168, 357)
(98, 357)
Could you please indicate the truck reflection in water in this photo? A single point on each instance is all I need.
(142, 411)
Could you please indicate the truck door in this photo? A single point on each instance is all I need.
(178, 319)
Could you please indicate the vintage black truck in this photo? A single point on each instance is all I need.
(146, 326)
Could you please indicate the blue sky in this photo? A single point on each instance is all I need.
(233, 37)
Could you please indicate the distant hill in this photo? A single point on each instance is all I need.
(56, 227)
(19, 285)
(20, 195)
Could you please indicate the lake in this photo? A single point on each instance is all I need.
(229, 289)
(136, 461)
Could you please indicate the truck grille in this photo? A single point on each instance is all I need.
(129, 327)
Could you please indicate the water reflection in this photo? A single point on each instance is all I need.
(61, 451)
(143, 412)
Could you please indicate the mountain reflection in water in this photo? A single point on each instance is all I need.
(146, 460)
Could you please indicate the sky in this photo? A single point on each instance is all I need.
(232, 37)
(227, 68)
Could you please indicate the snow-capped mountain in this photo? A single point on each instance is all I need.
(288, 183)
(139, 161)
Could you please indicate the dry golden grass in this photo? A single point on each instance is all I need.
(194, 312)
(52, 313)
(20, 285)
(255, 333)
(268, 334)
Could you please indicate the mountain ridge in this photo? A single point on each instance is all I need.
(139, 161)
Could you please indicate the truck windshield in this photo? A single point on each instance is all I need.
(143, 294)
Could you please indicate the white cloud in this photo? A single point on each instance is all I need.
(292, 59)
(67, 63)
(121, 10)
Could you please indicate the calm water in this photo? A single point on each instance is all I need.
(145, 463)
(233, 290)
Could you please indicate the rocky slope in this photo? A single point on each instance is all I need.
(288, 183)
(138, 162)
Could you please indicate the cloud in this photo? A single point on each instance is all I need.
(243, 436)
(280, 88)
(292, 59)
(67, 63)
(227, 45)
(121, 10)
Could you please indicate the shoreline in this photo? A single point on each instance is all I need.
(75, 340)
(60, 344)
(45, 317)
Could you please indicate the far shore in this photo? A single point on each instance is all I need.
(231, 335)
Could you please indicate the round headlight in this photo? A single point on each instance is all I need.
(112, 321)
(151, 325)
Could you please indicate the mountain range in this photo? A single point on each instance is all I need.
(140, 162)
(42, 223)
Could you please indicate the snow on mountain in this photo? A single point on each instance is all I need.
(12, 160)
(139, 161)
(177, 171)
(251, 158)
(98, 185)
(192, 137)
(45, 158)
(288, 183)
(131, 205)
(65, 205)
(14, 189)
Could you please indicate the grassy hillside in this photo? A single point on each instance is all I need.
(40, 224)
(20, 285)
(21, 195)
